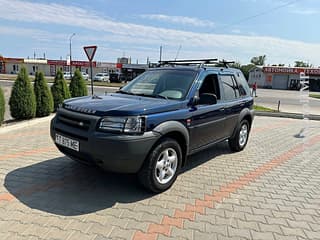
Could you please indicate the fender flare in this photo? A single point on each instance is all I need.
(173, 126)
(244, 113)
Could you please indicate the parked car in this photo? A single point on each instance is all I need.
(115, 77)
(101, 77)
(85, 75)
(67, 75)
(151, 125)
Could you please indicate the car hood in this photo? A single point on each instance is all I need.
(121, 105)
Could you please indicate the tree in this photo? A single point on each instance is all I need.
(59, 90)
(235, 65)
(2, 106)
(301, 64)
(245, 70)
(258, 61)
(22, 100)
(43, 95)
(78, 87)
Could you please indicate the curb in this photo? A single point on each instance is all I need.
(22, 124)
(287, 115)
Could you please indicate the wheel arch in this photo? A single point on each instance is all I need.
(176, 131)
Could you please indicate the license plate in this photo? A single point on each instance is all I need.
(67, 142)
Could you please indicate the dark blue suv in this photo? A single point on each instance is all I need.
(152, 124)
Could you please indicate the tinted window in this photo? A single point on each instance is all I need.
(244, 89)
(230, 87)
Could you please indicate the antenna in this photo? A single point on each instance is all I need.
(178, 52)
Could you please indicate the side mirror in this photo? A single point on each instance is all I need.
(194, 101)
(208, 99)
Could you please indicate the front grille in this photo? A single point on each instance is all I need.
(74, 122)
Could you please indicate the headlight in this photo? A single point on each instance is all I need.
(123, 124)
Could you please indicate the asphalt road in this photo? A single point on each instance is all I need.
(290, 101)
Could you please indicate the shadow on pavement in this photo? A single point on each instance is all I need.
(64, 187)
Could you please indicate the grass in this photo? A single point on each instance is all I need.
(314, 95)
(263, 109)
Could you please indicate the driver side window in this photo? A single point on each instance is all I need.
(210, 85)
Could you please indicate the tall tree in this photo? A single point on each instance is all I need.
(259, 60)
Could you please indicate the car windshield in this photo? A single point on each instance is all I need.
(171, 84)
(99, 75)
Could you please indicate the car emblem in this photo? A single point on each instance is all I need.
(81, 124)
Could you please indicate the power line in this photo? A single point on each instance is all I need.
(262, 13)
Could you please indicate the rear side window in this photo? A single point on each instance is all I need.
(230, 88)
(243, 86)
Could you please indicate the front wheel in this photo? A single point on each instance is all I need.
(160, 169)
(240, 139)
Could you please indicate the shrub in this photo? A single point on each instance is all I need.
(78, 87)
(59, 90)
(2, 106)
(44, 100)
(22, 100)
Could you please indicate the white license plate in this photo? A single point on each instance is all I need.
(67, 142)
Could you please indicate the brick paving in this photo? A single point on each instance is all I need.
(271, 190)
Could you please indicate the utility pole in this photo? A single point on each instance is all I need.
(160, 52)
(70, 47)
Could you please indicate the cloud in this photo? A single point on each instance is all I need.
(196, 22)
(114, 33)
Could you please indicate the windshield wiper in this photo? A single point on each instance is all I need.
(160, 96)
(125, 92)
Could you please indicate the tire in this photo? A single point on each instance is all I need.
(240, 139)
(161, 167)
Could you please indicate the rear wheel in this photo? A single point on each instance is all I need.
(160, 169)
(240, 139)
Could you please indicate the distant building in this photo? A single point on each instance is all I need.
(284, 77)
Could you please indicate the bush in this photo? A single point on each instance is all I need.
(22, 100)
(2, 106)
(78, 87)
(59, 90)
(44, 100)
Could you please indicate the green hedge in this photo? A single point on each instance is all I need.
(78, 87)
(59, 90)
(43, 95)
(2, 106)
(22, 100)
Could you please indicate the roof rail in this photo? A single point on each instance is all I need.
(187, 62)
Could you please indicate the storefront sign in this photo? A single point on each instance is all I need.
(287, 70)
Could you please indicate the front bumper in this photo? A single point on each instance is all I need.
(112, 152)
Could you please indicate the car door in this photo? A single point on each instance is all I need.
(232, 102)
(207, 121)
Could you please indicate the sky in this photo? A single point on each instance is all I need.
(283, 30)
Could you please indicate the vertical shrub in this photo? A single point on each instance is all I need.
(44, 100)
(22, 100)
(78, 87)
(59, 90)
(2, 106)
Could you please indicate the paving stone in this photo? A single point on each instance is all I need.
(262, 235)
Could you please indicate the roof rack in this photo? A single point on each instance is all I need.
(200, 62)
(226, 63)
(188, 62)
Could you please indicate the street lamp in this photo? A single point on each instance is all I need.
(70, 53)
